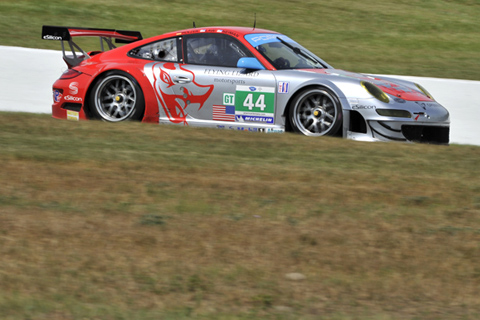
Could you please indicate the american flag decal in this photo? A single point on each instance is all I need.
(224, 113)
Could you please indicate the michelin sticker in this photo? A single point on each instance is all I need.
(241, 118)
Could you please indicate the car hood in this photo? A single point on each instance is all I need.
(391, 87)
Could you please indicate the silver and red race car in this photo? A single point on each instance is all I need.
(236, 78)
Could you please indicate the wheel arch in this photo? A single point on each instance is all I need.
(312, 85)
(151, 110)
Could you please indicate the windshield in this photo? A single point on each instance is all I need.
(284, 53)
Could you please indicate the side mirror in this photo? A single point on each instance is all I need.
(250, 63)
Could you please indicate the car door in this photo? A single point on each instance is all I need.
(165, 57)
(215, 92)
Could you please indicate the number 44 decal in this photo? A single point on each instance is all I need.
(260, 103)
(255, 100)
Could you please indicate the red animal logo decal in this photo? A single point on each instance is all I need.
(176, 97)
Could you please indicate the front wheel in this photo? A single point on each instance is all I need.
(316, 112)
(117, 97)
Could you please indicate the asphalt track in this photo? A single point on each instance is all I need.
(27, 75)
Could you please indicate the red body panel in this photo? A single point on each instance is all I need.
(118, 59)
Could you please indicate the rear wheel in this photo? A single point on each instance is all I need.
(316, 112)
(117, 97)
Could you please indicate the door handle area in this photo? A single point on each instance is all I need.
(180, 79)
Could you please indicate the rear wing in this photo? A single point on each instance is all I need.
(67, 34)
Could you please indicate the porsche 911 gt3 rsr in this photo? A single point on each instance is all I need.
(236, 78)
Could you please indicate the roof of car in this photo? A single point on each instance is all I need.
(233, 31)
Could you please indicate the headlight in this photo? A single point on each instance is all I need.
(424, 91)
(375, 91)
(394, 113)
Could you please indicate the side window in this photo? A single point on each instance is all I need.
(164, 50)
(214, 50)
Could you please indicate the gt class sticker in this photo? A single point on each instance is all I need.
(229, 99)
(255, 101)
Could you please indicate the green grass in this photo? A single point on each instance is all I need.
(437, 38)
(141, 221)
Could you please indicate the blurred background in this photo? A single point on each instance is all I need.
(433, 38)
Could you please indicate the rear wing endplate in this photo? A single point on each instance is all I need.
(67, 34)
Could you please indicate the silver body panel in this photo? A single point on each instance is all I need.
(221, 81)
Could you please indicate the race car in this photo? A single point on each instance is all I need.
(235, 78)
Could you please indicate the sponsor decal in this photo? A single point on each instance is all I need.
(262, 38)
(223, 113)
(421, 114)
(50, 37)
(219, 30)
(72, 98)
(426, 105)
(230, 73)
(73, 88)
(252, 88)
(239, 128)
(231, 81)
(283, 87)
(399, 100)
(272, 130)
(72, 115)
(57, 95)
(243, 118)
(232, 33)
(362, 107)
(229, 99)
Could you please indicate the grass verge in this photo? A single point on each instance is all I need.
(138, 221)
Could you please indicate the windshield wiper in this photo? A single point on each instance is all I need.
(301, 53)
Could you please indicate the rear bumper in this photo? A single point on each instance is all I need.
(69, 98)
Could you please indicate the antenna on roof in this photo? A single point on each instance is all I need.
(255, 21)
(194, 24)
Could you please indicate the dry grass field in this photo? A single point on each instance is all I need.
(136, 221)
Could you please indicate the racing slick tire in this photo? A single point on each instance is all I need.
(116, 97)
(316, 112)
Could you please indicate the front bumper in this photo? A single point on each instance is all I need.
(399, 120)
(409, 132)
